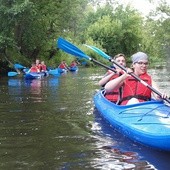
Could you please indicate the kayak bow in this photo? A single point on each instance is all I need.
(147, 123)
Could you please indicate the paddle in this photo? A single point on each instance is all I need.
(16, 67)
(72, 49)
(103, 54)
(12, 74)
(19, 66)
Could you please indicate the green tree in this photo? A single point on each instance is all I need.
(118, 31)
(29, 28)
(156, 38)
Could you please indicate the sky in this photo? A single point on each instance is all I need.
(144, 6)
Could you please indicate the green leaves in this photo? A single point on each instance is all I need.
(117, 32)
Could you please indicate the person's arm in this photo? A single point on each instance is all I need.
(108, 75)
(106, 78)
(66, 66)
(38, 70)
(116, 83)
(156, 96)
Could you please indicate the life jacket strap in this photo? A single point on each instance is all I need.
(111, 93)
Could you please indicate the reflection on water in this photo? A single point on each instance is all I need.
(115, 150)
(14, 82)
(35, 86)
(117, 159)
(53, 81)
(52, 124)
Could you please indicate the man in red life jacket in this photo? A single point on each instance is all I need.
(133, 90)
(113, 95)
(63, 65)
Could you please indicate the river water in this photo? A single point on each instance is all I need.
(52, 124)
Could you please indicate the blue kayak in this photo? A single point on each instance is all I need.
(62, 70)
(54, 72)
(31, 76)
(73, 68)
(147, 123)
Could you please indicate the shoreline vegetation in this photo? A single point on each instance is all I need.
(31, 31)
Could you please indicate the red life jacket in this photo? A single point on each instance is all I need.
(132, 88)
(38, 66)
(73, 65)
(114, 95)
(43, 67)
(62, 66)
(34, 69)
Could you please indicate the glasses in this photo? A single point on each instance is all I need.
(143, 63)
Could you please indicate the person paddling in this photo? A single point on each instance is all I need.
(38, 65)
(63, 65)
(119, 58)
(133, 90)
(115, 94)
(43, 67)
(73, 64)
(33, 69)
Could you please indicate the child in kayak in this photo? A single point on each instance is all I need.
(114, 95)
(33, 69)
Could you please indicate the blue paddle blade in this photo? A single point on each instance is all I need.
(25, 70)
(12, 73)
(71, 49)
(18, 66)
(100, 52)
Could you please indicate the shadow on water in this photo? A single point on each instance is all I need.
(124, 153)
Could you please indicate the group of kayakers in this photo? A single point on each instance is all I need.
(63, 65)
(38, 67)
(41, 67)
(122, 88)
